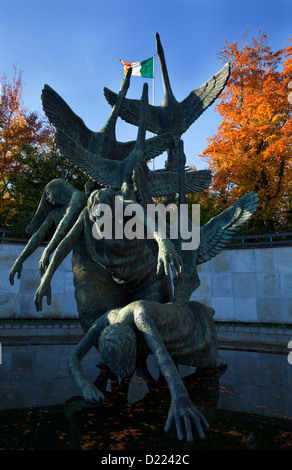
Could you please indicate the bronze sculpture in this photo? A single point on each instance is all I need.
(123, 287)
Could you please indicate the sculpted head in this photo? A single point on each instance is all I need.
(117, 347)
(98, 198)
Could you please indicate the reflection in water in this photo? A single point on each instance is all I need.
(248, 405)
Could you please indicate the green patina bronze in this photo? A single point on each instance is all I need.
(128, 304)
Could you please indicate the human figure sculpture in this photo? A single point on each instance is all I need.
(179, 331)
(168, 331)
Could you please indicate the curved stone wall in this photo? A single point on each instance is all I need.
(242, 285)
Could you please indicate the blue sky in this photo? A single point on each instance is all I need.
(75, 47)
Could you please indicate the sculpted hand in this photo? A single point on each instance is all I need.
(168, 255)
(91, 393)
(43, 263)
(44, 289)
(16, 268)
(183, 412)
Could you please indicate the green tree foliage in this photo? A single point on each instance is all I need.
(38, 167)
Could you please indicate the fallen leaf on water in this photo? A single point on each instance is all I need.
(232, 433)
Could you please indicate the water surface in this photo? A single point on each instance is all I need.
(248, 405)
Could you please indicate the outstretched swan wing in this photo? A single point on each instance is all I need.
(63, 118)
(201, 98)
(164, 182)
(215, 235)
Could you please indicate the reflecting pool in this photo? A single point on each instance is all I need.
(248, 405)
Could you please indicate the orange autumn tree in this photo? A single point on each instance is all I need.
(287, 75)
(17, 128)
(252, 148)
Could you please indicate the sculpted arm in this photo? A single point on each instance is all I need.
(76, 204)
(167, 253)
(89, 391)
(34, 242)
(182, 410)
(60, 254)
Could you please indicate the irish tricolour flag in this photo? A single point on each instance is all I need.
(140, 69)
